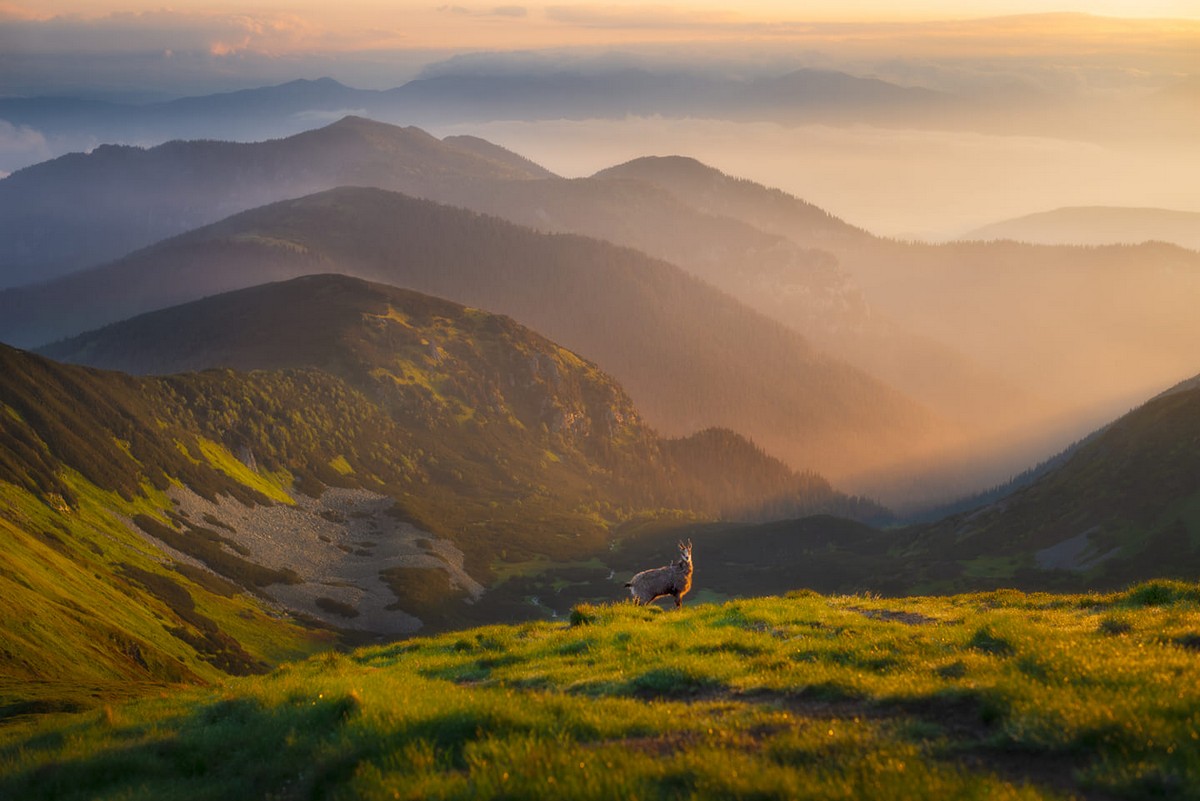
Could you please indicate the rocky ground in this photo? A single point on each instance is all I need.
(337, 544)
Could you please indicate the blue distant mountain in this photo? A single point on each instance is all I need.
(275, 111)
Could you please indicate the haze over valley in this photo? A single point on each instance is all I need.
(356, 351)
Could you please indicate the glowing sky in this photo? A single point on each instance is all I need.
(997, 52)
(280, 27)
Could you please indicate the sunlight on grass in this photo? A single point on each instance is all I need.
(796, 697)
(272, 485)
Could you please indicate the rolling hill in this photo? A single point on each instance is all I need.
(428, 361)
(690, 357)
(132, 197)
(768, 249)
(1012, 343)
(1097, 225)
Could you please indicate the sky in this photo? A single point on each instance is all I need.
(910, 182)
(290, 28)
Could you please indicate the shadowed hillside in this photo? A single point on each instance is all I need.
(1121, 506)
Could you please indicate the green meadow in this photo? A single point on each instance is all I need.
(989, 696)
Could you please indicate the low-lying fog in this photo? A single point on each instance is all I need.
(912, 184)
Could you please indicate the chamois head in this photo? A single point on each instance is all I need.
(685, 552)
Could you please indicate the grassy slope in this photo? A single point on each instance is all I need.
(91, 610)
(1130, 496)
(1001, 695)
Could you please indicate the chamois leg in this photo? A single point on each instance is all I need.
(678, 600)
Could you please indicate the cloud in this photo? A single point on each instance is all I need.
(639, 17)
(321, 117)
(21, 145)
(515, 12)
(164, 30)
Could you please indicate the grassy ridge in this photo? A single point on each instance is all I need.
(999, 695)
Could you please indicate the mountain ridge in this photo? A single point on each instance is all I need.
(1097, 225)
(662, 333)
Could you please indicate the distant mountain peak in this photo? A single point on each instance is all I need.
(658, 164)
(662, 164)
(1097, 225)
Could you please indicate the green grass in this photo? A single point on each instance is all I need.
(272, 486)
(92, 613)
(996, 695)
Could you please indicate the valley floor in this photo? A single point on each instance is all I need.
(996, 695)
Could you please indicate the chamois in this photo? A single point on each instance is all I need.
(674, 579)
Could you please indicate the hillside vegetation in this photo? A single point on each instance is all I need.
(998, 696)
(90, 608)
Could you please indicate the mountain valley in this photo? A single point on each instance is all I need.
(362, 384)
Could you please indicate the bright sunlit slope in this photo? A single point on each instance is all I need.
(999, 696)
(90, 608)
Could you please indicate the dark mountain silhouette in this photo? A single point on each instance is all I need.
(1097, 225)
(690, 356)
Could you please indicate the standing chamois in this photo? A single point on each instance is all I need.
(674, 579)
